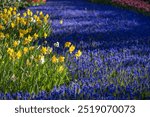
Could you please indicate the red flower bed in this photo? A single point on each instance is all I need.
(36, 1)
(135, 3)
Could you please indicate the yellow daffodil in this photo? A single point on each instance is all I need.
(21, 35)
(15, 43)
(24, 14)
(19, 54)
(54, 59)
(30, 29)
(9, 13)
(45, 35)
(45, 20)
(5, 10)
(47, 16)
(35, 16)
(25, 50)
(71, 48)
(43, 50)
(11, 9)
(35, 36)
(41, 13)
(10, 51)
(15, 8)
(31, 48)
(78, 54)
(27, 41)
(2, 36)
(67, 44)
(61, 59)
(14, 13)
(29, 12)
(1, 27)
(12, 25)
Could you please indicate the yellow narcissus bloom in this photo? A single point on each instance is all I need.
(27, 41)
(14, 13)
(21, 35)
(47, 16)
(61, 59)
(41, 13)
(37, 19)
(35, 16)
(31, 48)
(15, 43)
(12, 25)
(29, 12)
(10, 51)
(2, 36)
(43, 50)
(78, 54)
(54, 59)
(18, 19)
(9, 13)
(24, 22)
(15, 8)
(30, 29)
(25, 50)
(1, 27)
(67, 44)
(11, 9)
(35, 36)
(45, 20)
(5, 10)
(5, 22)
(29, 37)
(24, 14)
(45, 35)
(61, 69)
(39, 23)
(71, 49)
(19, 54)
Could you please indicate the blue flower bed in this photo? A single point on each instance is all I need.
(115, 63)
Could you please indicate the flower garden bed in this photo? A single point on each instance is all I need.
(88, 53)
(137, 5)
